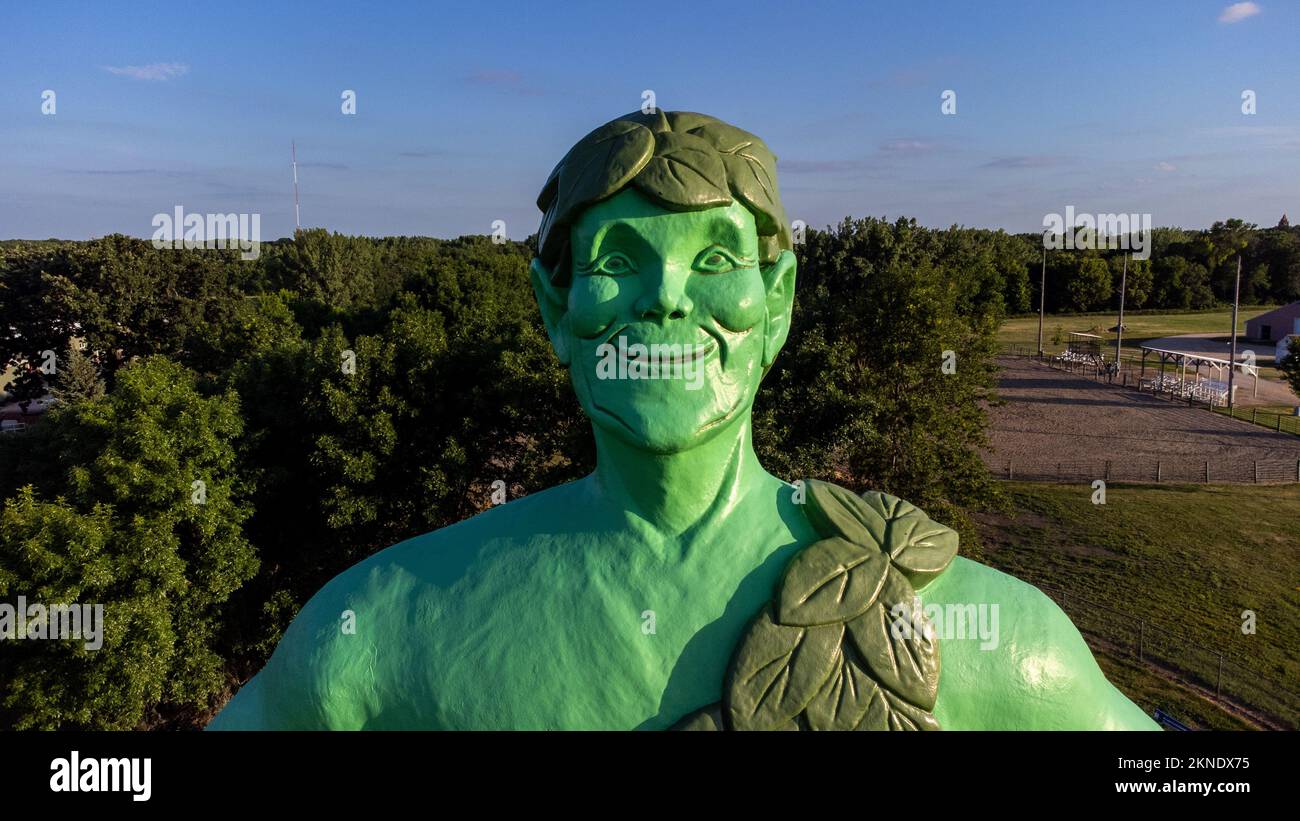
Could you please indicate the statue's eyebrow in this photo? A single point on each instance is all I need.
(725, 232)
(616, 231)
(720, 229)
(589, 240)
(590, 246)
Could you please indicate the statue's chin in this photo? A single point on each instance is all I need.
(661, 430)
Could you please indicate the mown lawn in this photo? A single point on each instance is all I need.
(1139, 329)
(1274, 417)
(1171, 568)
(1023, 330)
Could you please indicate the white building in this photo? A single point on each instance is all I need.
(1283, 349)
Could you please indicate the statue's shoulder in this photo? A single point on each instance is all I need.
(334, 664)
(1014, 660)
(1022, 614)
(841, 635)
(975, 580)
(440, 556)
(857, 624)
(1028, 622)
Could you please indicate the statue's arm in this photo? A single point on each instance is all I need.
(246, 710)
(1123, 714)
(304, 685)
(1039, 673)
(1079, 696)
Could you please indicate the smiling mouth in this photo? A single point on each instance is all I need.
(665, 353)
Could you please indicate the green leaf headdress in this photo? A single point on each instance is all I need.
(680, 160)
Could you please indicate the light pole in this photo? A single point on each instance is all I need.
(1232, 358)
(1042, 298)
(1119, 328)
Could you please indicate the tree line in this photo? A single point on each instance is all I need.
(1186, 270)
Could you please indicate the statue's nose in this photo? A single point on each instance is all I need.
(664, 298)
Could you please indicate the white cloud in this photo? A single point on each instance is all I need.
(908, 146)
(1027, 161)
(1166, 166)
(1238, 12)
(153, 71)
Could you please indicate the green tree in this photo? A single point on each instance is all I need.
(1290, 365)
(77, 378)
(863, 394)
(1225, 241)
(122, 296)
(1089, 284)
(139, 508)
(1138, 283)
(1279, 252)
(336, 270)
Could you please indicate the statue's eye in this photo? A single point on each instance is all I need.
(715, 261)
(614, 265)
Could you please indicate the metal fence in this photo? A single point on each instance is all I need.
(1280, 422)
(1145, 471)
(1203, 670)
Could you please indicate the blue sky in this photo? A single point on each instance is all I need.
(462, 111)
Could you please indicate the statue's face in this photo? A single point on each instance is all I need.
(665, 327)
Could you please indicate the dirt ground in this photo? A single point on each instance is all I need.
(1061, 425)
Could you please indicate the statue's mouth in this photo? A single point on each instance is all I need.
(664, 353)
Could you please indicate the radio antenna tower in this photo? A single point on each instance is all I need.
(293, 148)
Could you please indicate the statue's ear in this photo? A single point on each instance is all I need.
(779, 279)
(554, 303)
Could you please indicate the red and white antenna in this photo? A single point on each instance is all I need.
(296, 220)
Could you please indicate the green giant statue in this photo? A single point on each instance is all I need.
(679, 584)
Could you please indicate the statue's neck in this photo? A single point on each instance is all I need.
(678, 492)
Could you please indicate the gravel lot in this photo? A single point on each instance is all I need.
(1056, 424)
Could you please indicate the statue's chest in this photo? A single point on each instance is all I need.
(625, 645)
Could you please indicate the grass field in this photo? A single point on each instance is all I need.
(1139, 329)
(1184, 562)
(1274, 417)
(1023, 330)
